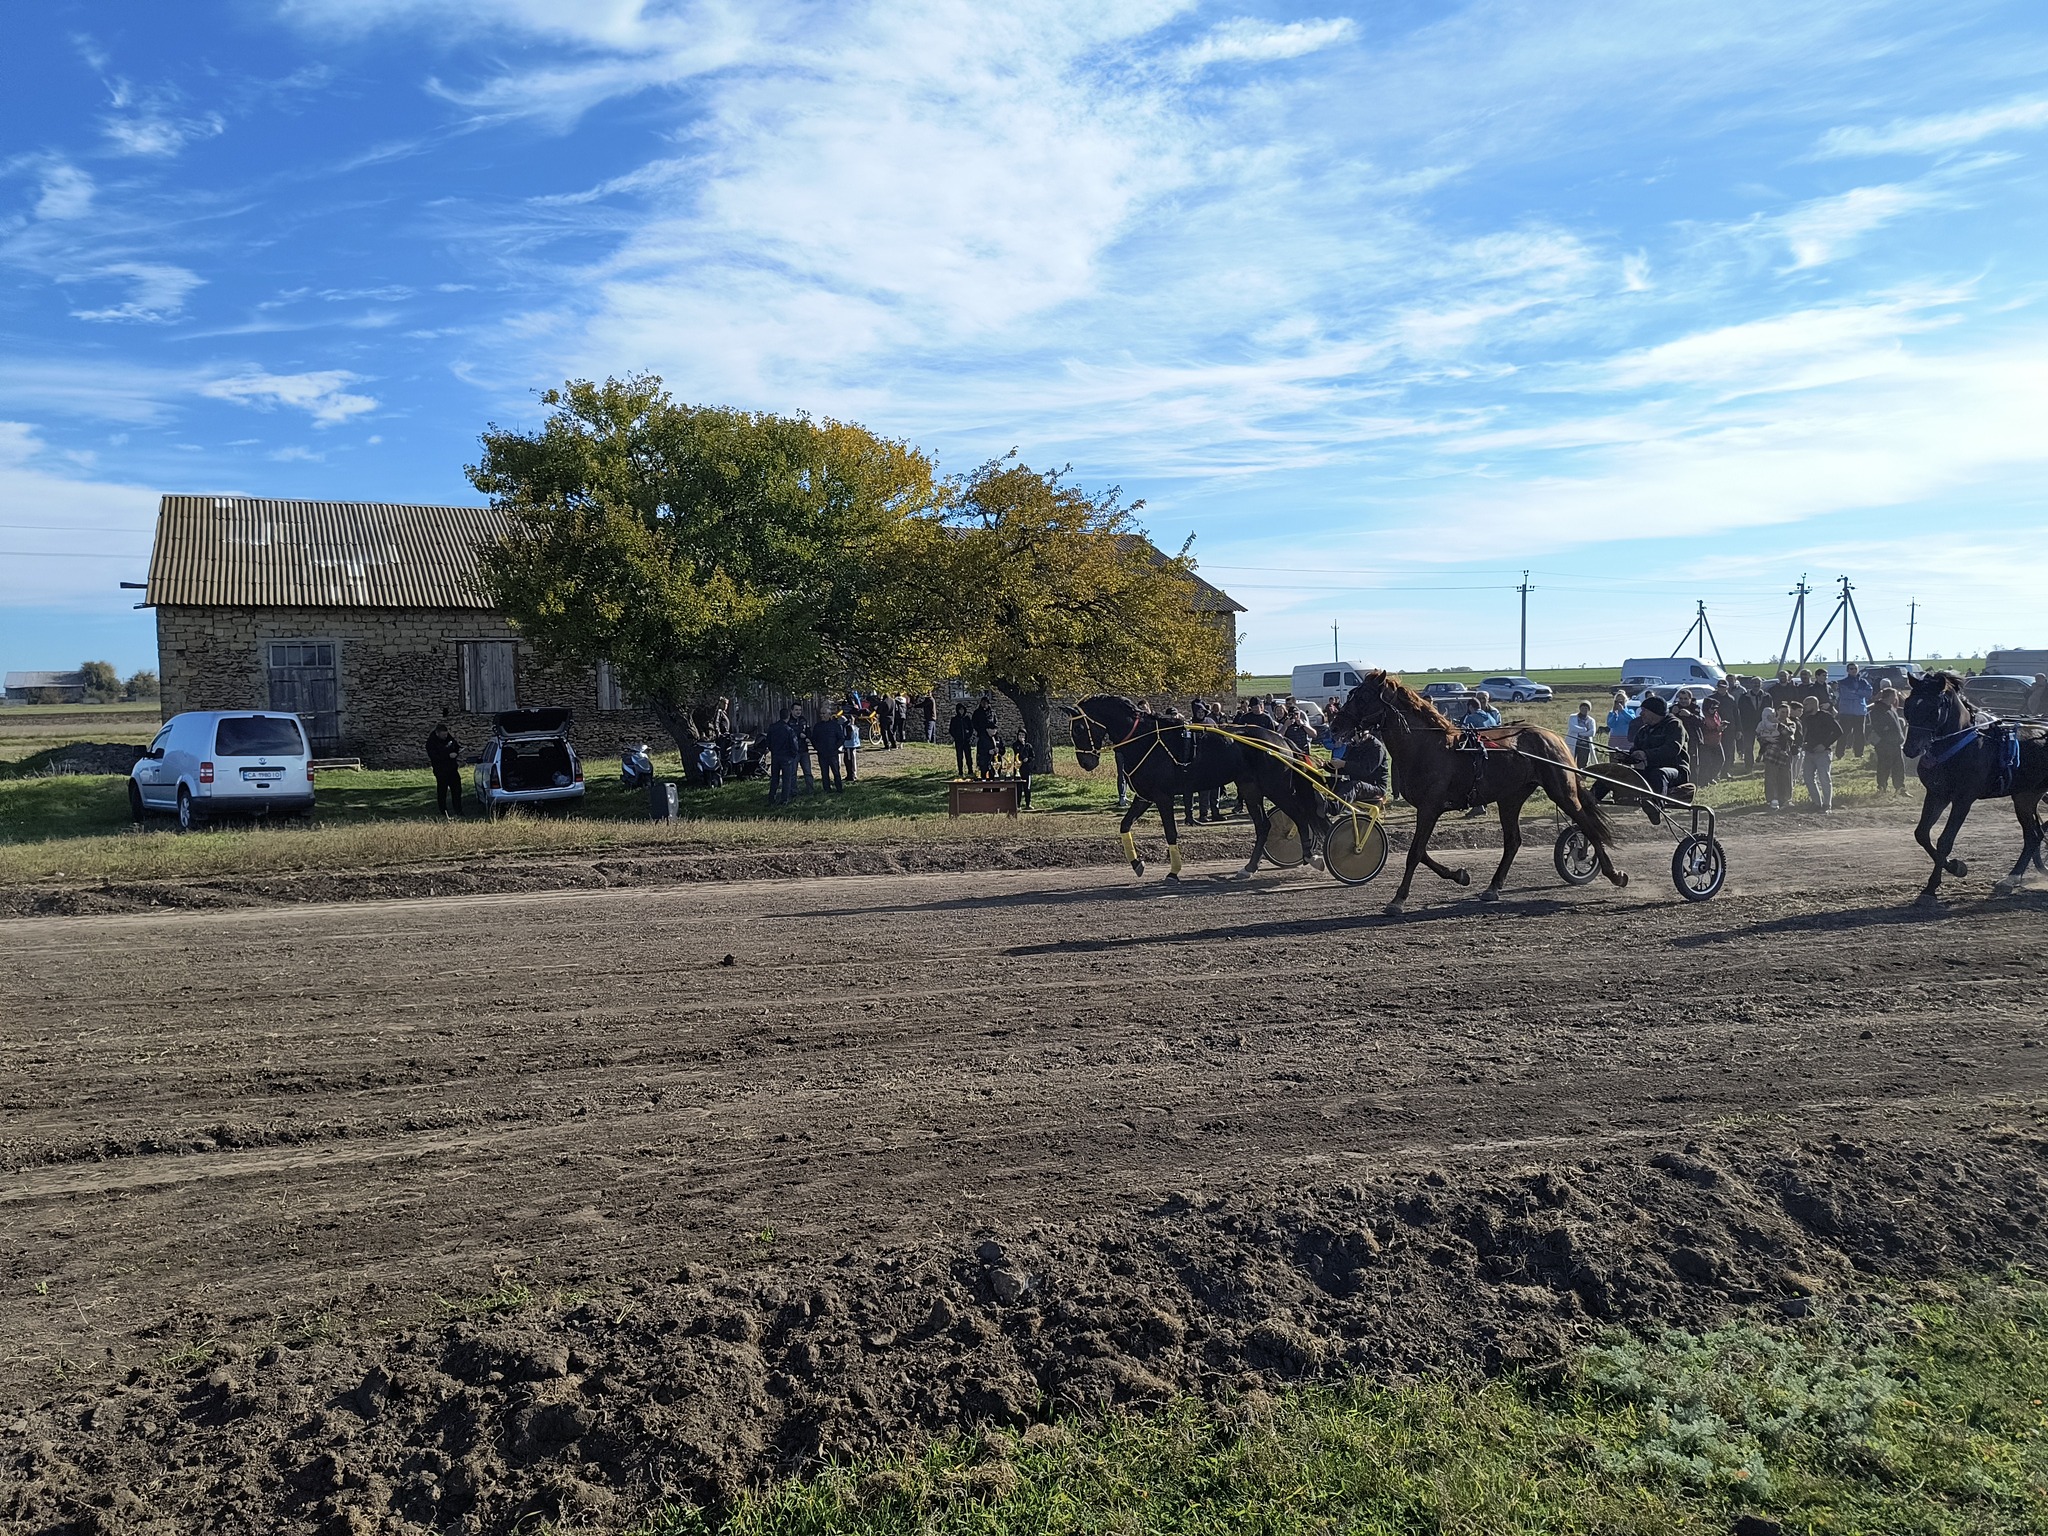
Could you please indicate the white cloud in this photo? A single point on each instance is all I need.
(1799, 349)
(323, 396)
(67, 193)
(156, 136)
(1245, 41)
(1828, 228)
(158, 290)
(55, 567)
(1937, 135)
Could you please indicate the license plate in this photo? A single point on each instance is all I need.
(263, 773)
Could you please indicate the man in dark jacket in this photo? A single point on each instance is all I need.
(828, 736)
(783, 746)
(1364, 771)
(928, 713)
(1750, 705)
(445, 753)
(961, 729)
(1820, 733)
(1658, 747)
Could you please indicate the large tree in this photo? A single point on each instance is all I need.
(1067, 595)
(698, 549)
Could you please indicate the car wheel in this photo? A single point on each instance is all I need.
(188, 815)
(137, 811)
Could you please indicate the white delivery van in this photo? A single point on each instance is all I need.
(1640, 672)
(1321, 682)
(208, 763)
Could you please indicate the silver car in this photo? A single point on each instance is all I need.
(1516, 690)
(529, 762)
(237, 762)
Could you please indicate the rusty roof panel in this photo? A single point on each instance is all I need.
(251, 552)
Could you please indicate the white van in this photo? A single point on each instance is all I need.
(1640, 672)
(234, 762)
(1319, 682)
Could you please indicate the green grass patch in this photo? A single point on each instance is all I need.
(1925, 1419)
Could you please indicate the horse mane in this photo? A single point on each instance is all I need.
(1951, 682)
(1411, 702)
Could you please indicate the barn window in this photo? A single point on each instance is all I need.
(610, 696)
(490, 676)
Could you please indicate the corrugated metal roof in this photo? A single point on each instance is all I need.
(250, 552)
(44, 680)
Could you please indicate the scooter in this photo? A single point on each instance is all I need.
(636, 768)
(709, 768)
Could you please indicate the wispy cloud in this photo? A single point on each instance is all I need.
(157, 290)
(323, 395)
(159, 136)
(1828, 228)
(1243, 40)
(1937, 135)
(67, 193)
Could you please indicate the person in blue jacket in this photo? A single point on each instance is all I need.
(1852, 710)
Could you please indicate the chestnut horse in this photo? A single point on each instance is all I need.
(1435, 770)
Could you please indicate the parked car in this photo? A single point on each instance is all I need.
(205, 764)
(1515, 690)
(1450, 698)
(2002, 694)
(529, 762)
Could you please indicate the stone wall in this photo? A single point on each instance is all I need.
(398, 670)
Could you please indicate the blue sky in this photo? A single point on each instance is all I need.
(1662, 302)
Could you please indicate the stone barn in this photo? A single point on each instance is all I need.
(367, 619)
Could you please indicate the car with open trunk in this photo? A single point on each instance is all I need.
(529, 762)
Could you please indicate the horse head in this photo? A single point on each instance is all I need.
(1100, 723)
(1364, 708)
(1933, 709)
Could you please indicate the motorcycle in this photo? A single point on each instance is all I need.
(708, 770)
(636, 767)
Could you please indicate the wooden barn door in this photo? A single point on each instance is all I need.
(305, 681)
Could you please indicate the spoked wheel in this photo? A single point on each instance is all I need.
(1575, 857)
(1356, 849)
(1698, 867)
(1285, 846)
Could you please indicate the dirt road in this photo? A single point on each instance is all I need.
(946, 1148)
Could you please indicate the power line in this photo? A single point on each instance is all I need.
(64, 554)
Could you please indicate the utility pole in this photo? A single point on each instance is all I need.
(1912, 619)
(1704, 630)
(1335, 653)
(1524, 590)
(1798, 594)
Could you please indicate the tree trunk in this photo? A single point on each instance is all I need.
(1036, 708)
(680, 727)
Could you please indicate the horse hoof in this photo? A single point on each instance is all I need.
(1927, 899)
(1461, 877)
(1173, 879)
(1242, 874)
(1958, 868)
(1620, 881)
(1137, 866)
(1489, 894)
(1316, 860)
(1393, 908)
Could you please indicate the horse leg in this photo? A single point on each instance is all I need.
(1255, 806)
(1426, 819)
(1305, 805)
(1575, 809)
(1510, 840)
(1941, 848)
(1172, 839)
(2028, 809)
(1130, 841)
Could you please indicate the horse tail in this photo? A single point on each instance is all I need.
(1562, 783)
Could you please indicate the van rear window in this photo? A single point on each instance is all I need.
(258, 736)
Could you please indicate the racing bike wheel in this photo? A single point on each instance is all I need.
(1698, 867)
(1285, 846)
(1577, 862)
(1356, 849)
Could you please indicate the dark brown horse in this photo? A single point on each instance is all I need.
(1965, 757)
(1436, 771)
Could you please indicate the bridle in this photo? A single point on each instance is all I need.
(1158, 742)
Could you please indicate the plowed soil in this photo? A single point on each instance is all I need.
(445, 1213)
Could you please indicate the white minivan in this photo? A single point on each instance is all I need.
(231, 762)
(1320, 682)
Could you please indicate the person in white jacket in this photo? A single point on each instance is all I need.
(1578, 734)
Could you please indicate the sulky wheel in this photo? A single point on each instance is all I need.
(1285, 846)
(1356, 849)
(1698, 867)
(1576, 861)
